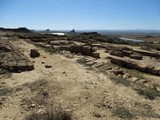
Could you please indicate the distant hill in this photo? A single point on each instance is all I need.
(22, 29)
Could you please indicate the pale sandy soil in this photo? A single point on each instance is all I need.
(85, 92)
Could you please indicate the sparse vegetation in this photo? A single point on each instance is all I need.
(141, 89)
(148, 92)
(5, 91)
(82, 61)
(145, 110)
(133, 72)
(51, 51)
(137, 109)
(50, 115)
(37, 84)
(120, 80)
(122, 113)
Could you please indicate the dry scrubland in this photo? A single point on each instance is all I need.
(77, 77)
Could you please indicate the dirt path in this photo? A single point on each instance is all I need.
(90, 95)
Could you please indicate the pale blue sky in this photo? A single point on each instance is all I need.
(80, 14)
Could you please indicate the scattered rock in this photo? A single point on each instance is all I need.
(42, 62)
(97, 115)
(134, 79)
(34, 53)
(2, 71)
(90, 63)
(104, 68)
(127, 76)
(158, 88)
(41, 111)
(64, 72)
(118, 72)
(48, 66)
(97, 65)
(1, 103)
(33, 105)
(45, 93)
(142, 81)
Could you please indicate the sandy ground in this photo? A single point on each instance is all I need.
(90, 95)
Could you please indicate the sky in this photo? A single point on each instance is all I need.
(80, 14)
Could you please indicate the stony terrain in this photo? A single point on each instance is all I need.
(12, 59)
(86, 79)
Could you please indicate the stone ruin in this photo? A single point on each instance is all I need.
(134, 59)
(12, 59)
(60, 43)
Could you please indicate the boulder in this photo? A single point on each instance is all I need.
(95, 55)
(34, 53)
